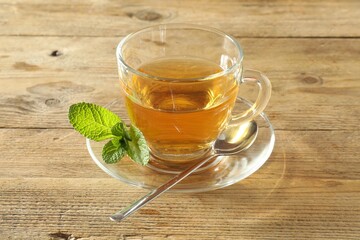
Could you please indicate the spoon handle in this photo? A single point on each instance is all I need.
(127, 211)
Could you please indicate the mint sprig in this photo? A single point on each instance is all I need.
(98, 123)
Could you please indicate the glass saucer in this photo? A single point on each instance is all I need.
(227, 170)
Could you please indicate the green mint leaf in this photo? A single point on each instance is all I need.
(98, 123)
(112, 153)
(93, 121)
(137, 148)
(116, 141)
(118, 129)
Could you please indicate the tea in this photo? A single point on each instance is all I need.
(184, 114)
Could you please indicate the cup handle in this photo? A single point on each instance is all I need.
(264, 85)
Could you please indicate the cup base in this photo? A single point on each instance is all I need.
(174, 167)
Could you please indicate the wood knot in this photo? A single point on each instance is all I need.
(147, 15)
(52, 102)
(311, 80)
(56, 53)
(62, 236)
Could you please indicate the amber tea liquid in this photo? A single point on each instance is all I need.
(180, 118)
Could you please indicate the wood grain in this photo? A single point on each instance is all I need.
(61, 153)
(314, 87)
(241, 18)
(310, 184)
(55, 53)
(253, 209)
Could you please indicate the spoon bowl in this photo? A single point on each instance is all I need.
(234, 139)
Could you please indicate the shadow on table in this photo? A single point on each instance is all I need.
(257, 197)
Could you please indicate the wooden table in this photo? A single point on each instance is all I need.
(55, 53)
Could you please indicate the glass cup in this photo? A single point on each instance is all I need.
(180, 83)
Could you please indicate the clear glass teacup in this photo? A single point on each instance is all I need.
(180, 83)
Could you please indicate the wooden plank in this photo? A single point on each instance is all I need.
(253, 209)
(241, 18)
(314, 86)
(61, 153)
